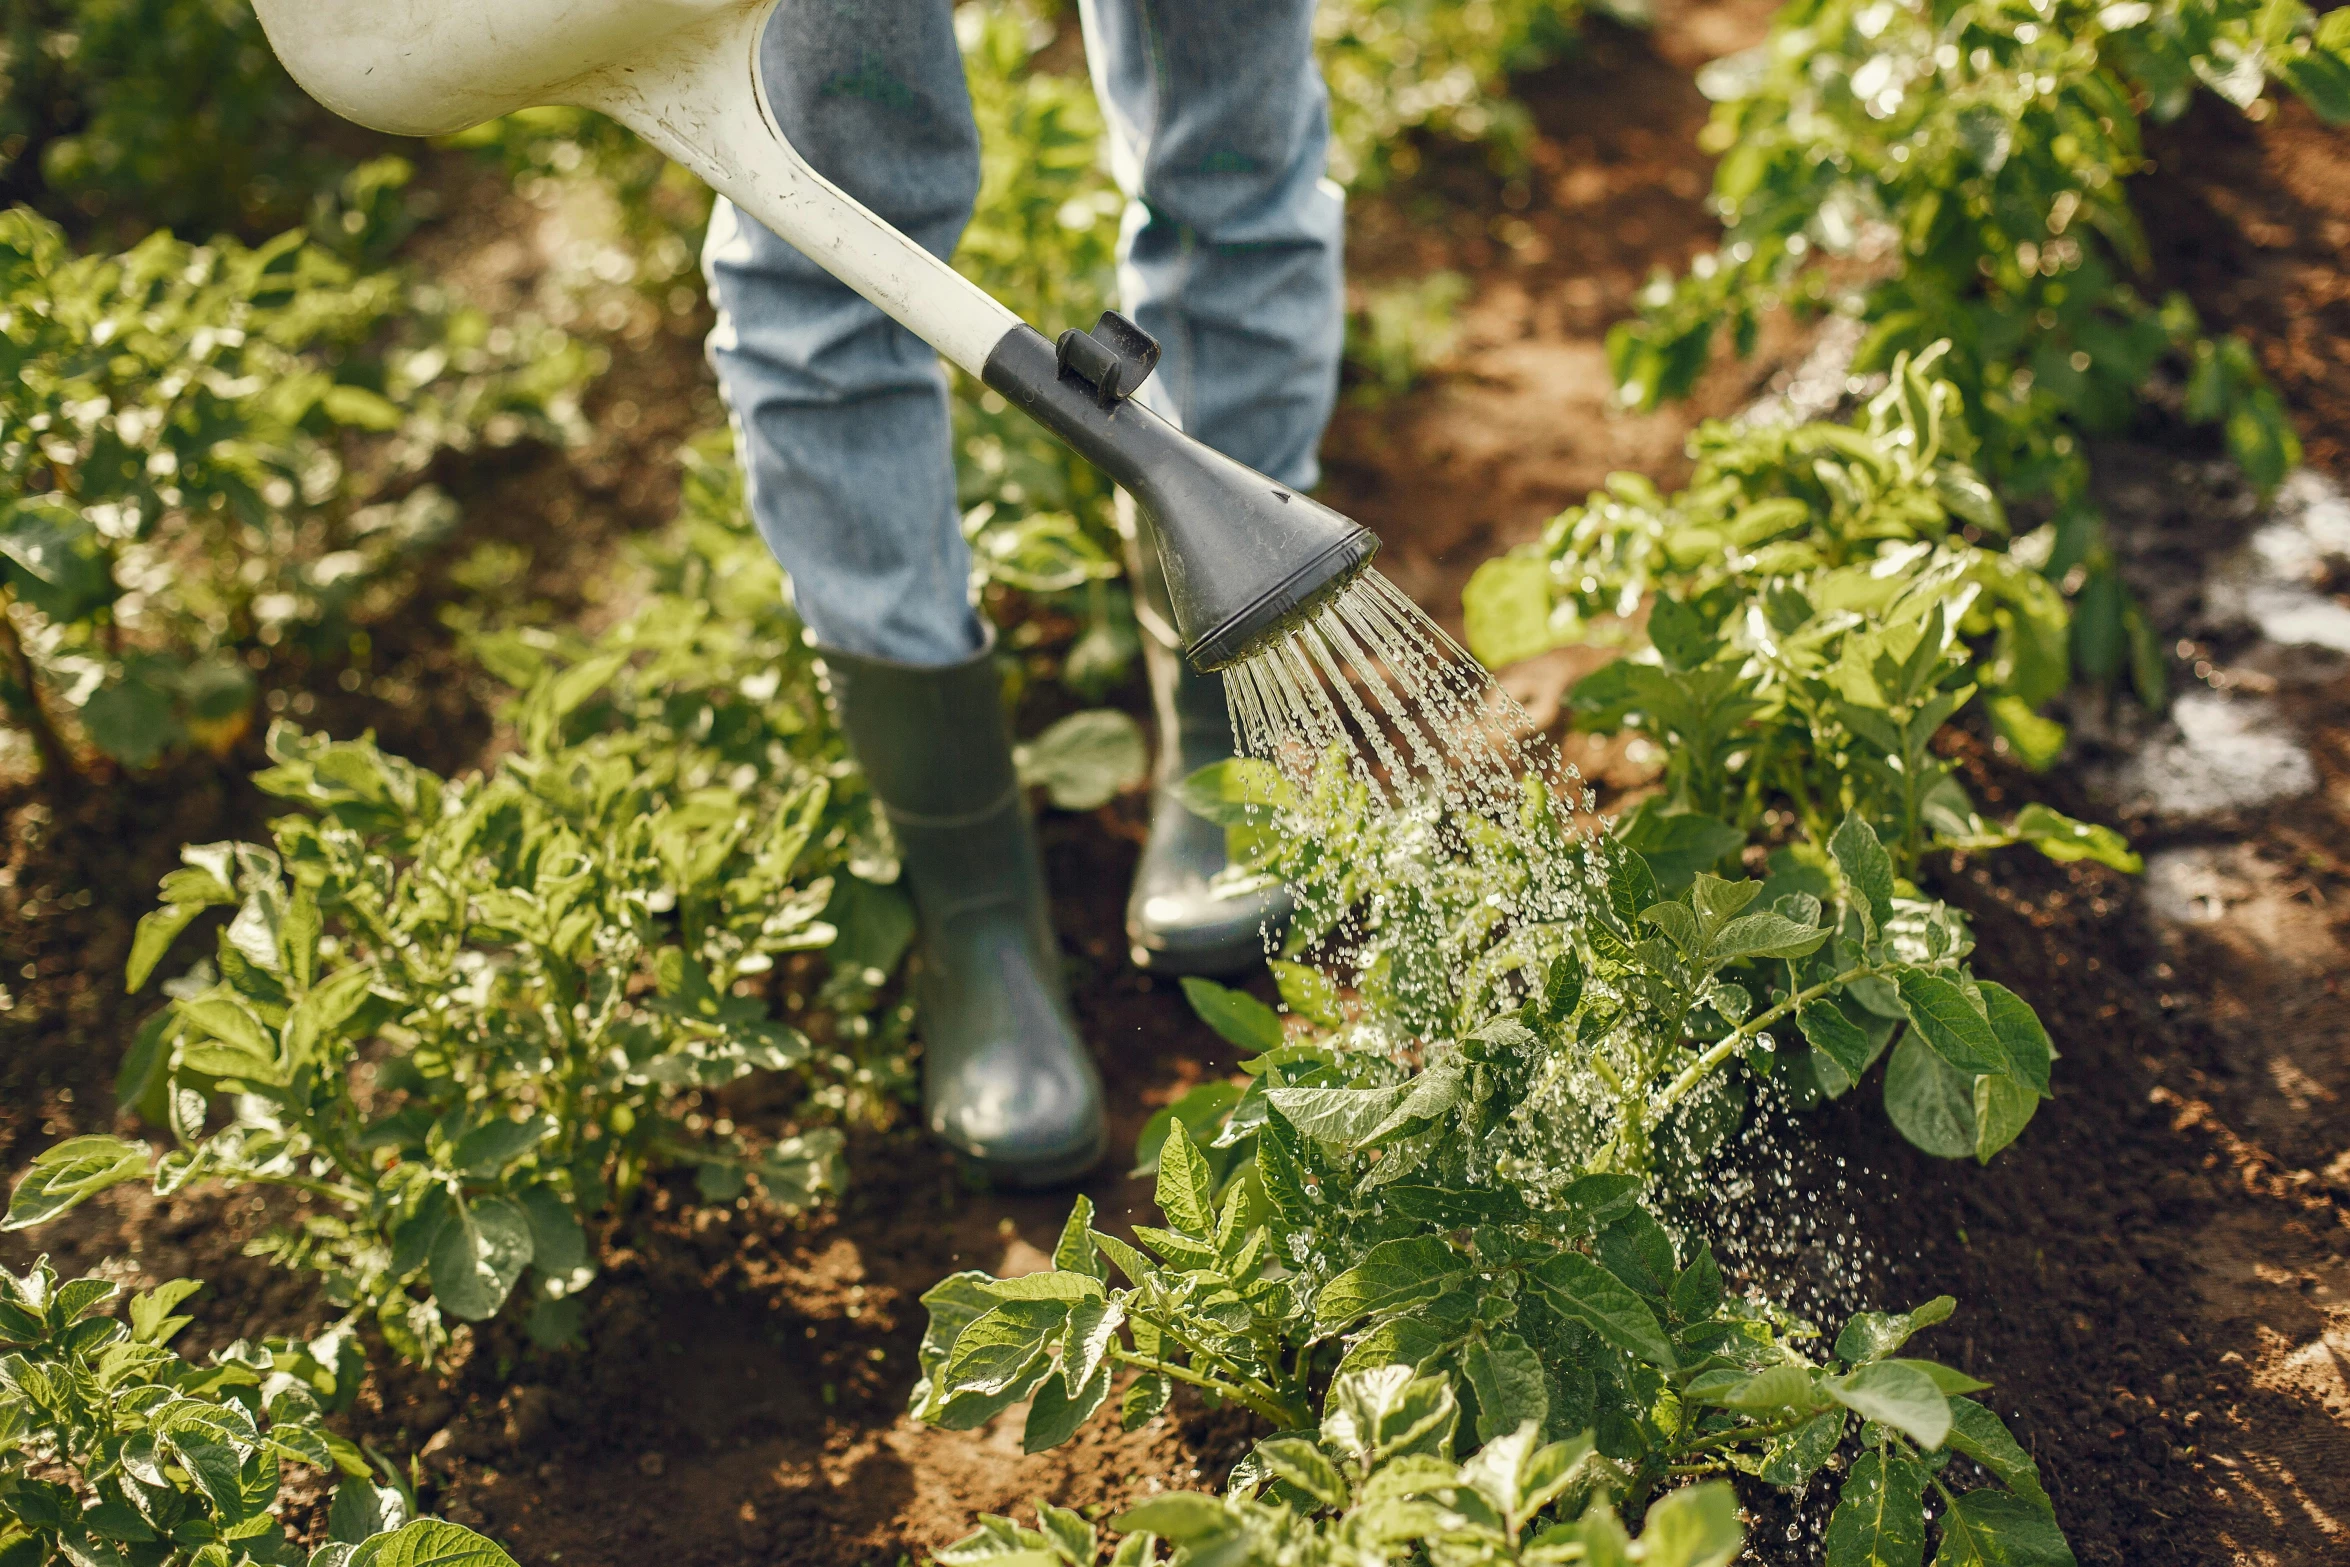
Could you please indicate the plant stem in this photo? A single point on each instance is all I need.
(1750, 1434)
(1730, 1043)
(1251, 1384)
(1283, 1415)
(56, 758)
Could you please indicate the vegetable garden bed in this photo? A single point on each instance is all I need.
(2152, 1278)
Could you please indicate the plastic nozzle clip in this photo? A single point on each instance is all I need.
(1114, 359)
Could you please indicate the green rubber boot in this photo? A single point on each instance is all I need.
(1005, 1079)
(1177, 921)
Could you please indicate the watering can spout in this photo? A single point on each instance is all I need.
(1244, 557)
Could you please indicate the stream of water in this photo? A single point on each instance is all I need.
(1443, 851)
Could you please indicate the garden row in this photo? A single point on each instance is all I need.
(220, 453)
(1449, 1212)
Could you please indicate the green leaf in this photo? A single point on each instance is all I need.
(478, 1257)
(558, 1242)
(2003, 1108)
(2021, 1038)
(1598, 1299)
(1240, 1018)
(1055, 1413)
(1512, 1390)
(1791, 1460)
(218, 1014)
(1201, 1110)
(1307, 991)
(1086, 760)
(1680, 844)
(1304, 1466)
(2036, 741)
(1344, 1116)
(1696, 1526)
(1948, 1020)
(157, 931)
(1993, 1529)
(1506, 608)
(2063, 839)
(363, 1510)
(486, 1150)
(1929, 1102)
(1385, 1412)
(150, 1311)
(1181, 1517)
(1764, 935)
(53, 557)
(1093, 1328)
(1949, 1379)
(1774, 1388)
(430, 1542)
(1827, 1028)
(1880, 1518)
(1000, 1346)
(1895, 1395)
(1983, 1437)
(1075, 1251)
(1867, 868)
(1872, 1335)
(131, 721)
(62, 1176)
(321, 1014)
(1391, 1274)
(1187, 1188)
(1145, 1397)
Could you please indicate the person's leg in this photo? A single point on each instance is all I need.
(1232, 257)
(840, 413)
(1233, 247)
(842, 421)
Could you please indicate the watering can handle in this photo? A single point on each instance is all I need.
(683, 74)
(705, 106)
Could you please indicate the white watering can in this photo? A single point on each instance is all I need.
(1244, 557)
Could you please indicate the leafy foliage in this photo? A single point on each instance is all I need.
(165, 113)
(1596, 1030)
(469, 1015)
(1826, 597)
(115, 1450)
(1378, 1483)
(1976, 156)
(1565, 1340)
(1429, 1207)
(1439, 66)
(208, 450)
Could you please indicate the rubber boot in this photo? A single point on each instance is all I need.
(1005, 1080)
(1176, 920)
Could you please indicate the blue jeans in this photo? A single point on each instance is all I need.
(1229, 255)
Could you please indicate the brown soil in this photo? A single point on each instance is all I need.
(2154, 1277)
(2253, 221)
(1523, 422)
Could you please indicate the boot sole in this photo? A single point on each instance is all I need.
(1043, 1174)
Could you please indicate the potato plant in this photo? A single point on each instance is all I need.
(117, 1452)
(1822, 600)
(1983, 151)
(207, 451)
(1377, 1482)
(1445, 1164)
(1564, 1339)
(1560, 994)
(465, 1017)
